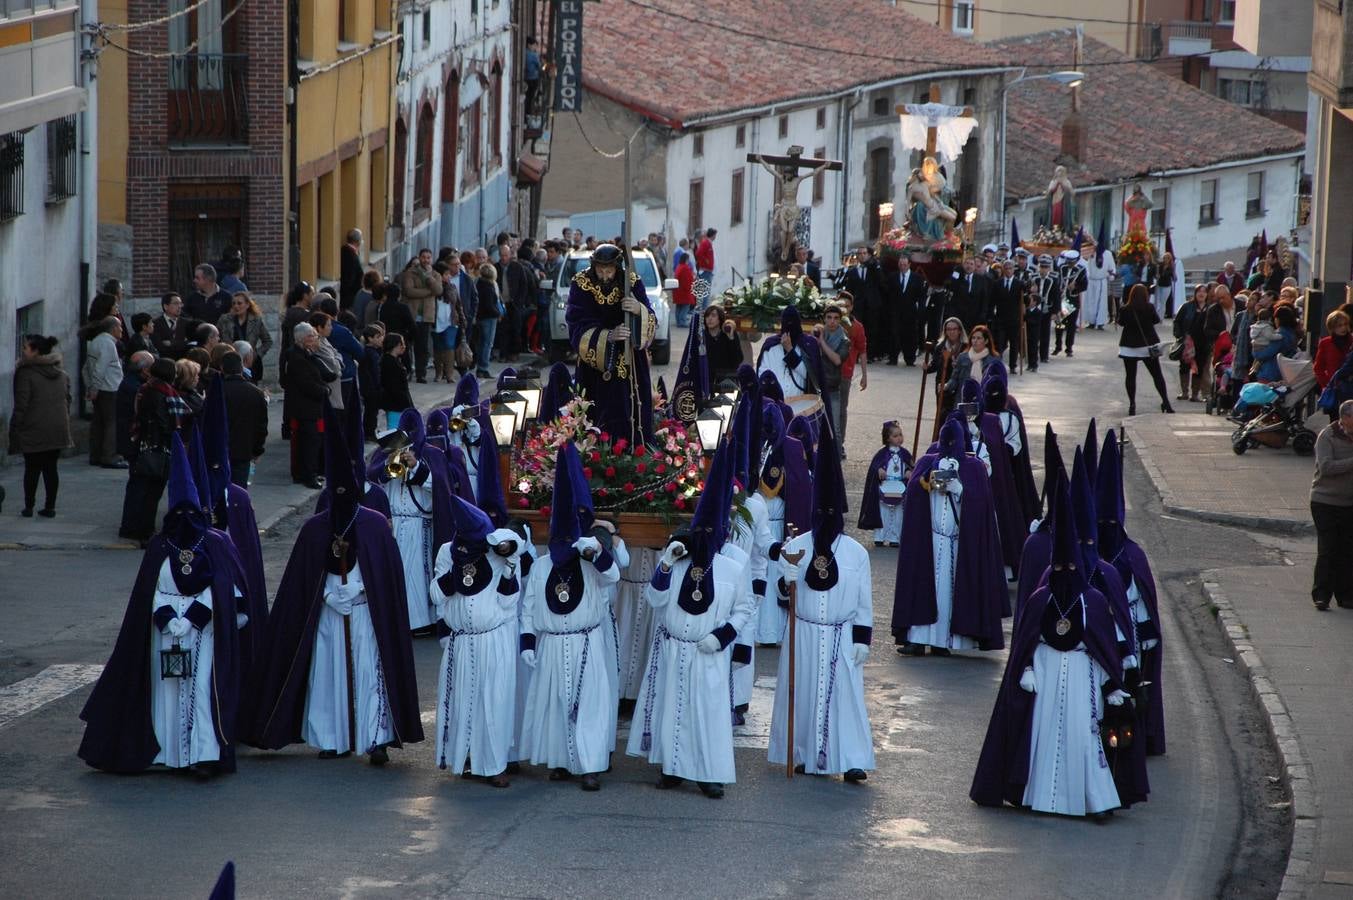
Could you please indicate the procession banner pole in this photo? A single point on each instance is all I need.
(792, 559)
(920, 404)
(1023, 335)
(939, 396)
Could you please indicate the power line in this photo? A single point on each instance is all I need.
(102, 32)
(597, 150)
(137, 26)
(864, 54)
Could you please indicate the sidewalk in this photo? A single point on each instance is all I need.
(89, 502)
(1296, 658)
(1188, 456)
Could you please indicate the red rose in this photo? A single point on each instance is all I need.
(524, 503)
(605, 438)
(610, 471)
(596, 457)
(640, 450)
(629, 487)
(601, 492)
(649, 496)
(620, 445)
(660, 468)
(545, 511)
(641, 468)
(587, 471)
(680, 504)
(669, 488)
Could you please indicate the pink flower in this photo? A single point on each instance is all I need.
(602, 492)
(524, 503)
(649, 496)
(679, 503)
(641, 468)
(545, 511)
(620, 445)
(629, 487)
(596, 457)
(660, 468)
(669, 488)
(606, 438)
(587, 471)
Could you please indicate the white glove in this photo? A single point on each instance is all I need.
(585, 545)
(1149, 644)
(674, 552)
(1033, 526)
(1130, 662)
(529, 657)
(178, 627)
(445, 642)
(709, 644)
(789, 571)
(859, 653)
(241, 620)
(1116, 698)
(1026, 680)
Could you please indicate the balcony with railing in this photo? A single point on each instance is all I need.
(1180, 38)
(207, 99)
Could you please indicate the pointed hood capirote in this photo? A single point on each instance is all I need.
(490, 483)
(995, 390)
(1067, 577)
(791, 323)
(411, 423)
(570, 507)
(1083, 502)
(953, 438)
(216, 439)
(340, 478)
(1052, 464)
(1091, 446)
(1109, 502)
(473, 527)
(467, 391)
(709, 524)
(746, 434)
(692, 387)
(182, 487)
(559, 390)
(186, 524)
(829, 495)
(197, 462)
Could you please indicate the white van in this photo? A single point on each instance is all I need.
(659, 296)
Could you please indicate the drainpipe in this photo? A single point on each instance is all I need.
(845, 134)
(293, 266)
(89, 172)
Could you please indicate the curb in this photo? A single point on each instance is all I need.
(1169, 504)
(1296, 767)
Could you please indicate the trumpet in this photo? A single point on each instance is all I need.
(395, 468)
(457, 423)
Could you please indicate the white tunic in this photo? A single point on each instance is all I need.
(523, 670)
(570, 710)
(477, 680)
(634, 620)
(894, 475)
(1068, 773)
(684, 723)
(770, 616)
(753, 539)
(468, 439)
(326, 699)
(180, 708)
(946, 511)
(831, 723)
(610, 629)
(1095, 301)
(794, 381)
(411, 517)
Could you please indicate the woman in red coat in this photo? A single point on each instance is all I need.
(1333, 347)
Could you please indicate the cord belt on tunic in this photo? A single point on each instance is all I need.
(837, 629)
(646, 741)
(582, 668)
(450, 679)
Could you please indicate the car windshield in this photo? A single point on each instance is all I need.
(648, 272)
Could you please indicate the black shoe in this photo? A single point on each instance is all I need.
(667, 782)
(378, 757)
(892, 362)
(1132, 409)
(878, 543)
(799, 769)
(513, 768)
(47, 512)
(739, 718)
(422, 380)
(856, 775)
(911, 649)
(26, 512)
(911, 362)
(560, 775)
(1068, 354)
(1322, 605)
(711, 790)
(939, 651)
(1033, 368)
(116, 464)
(314, 484)
(1167, 408)
(591, 782)
(328, 754)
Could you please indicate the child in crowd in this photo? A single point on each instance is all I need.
(369, 377)
(884, 487)
(395, 397)
(1262, 333)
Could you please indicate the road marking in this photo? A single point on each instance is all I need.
(913, 834)
(51, 684)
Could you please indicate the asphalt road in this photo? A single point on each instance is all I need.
(297, 826)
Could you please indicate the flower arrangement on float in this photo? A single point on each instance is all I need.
(757, 305)
(1136, 247)
(899, 242)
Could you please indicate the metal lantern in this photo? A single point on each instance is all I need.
(176, 662)
(723, 408)
(527, 383)
(503, 418)
(709, 426)
(729, 390)
(517, 403)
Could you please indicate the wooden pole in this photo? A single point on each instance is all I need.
(791, 707)
(939, 396)
(920, 404)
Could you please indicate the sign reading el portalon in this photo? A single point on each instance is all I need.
(568, 47)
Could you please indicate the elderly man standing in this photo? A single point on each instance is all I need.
(420, 286)
(137, 370)
(1332, 511)
(305, 383)
(102, 377)
(350, 269)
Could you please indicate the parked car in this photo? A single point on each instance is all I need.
(659, 296)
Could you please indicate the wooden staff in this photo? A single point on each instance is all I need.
(939, 395)
(341, 546)
(792, 559)
(920, 404)
(1023, 335)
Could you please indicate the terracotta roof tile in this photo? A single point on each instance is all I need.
(675, 61)
(1138, 120)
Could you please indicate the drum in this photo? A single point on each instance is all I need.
(810, 407)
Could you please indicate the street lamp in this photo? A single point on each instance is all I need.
(1068, 78)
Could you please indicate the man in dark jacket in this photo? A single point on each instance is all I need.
(1007, 293)
(247, 409)
(350, 269)
(138, 366)
(518, 286)
(171, 328)
(207, 302)
(864, 281)
(969, 300)
(306, 391)
(905, 298)
(397, 318)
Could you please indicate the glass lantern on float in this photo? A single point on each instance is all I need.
(728, 389)
(709, 427)
(503, 418)
(527, 383)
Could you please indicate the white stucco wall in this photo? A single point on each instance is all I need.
(28, 275)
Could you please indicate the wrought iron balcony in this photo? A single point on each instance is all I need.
(207, 99)
(1177, 38)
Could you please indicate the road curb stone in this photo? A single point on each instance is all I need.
(1296, 767)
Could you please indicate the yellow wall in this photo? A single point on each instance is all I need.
(995, 19)
(112, 118)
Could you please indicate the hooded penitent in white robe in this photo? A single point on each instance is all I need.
(411, 518)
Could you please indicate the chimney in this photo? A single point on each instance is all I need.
(1073, 138)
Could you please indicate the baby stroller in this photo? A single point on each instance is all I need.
(1281, 413)
(1223, 394)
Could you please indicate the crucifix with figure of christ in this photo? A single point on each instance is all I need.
(788, 177)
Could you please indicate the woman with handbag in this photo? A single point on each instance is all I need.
(160, 412)
(1188, 334)
(1138, 342)
(39, 427)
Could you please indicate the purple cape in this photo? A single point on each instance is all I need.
(623, 407)
(242, 527)
(870, 514)
(120, 736)
(1022, 469)
(1132, 563)
(459, 475)
(1005, 493)
(980, 596)
(1003, 767)
(798, 493)
(283, 676)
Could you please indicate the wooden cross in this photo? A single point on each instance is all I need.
(790, 164)
(931, 134)
(789, 173)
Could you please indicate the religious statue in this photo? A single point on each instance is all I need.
(786, 213)
(1061, 200)
(927, 191)
(1136, 206)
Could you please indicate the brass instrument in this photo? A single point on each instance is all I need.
(457, 423)
(394, 444)
(395, 468)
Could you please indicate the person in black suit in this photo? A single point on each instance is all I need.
(1043, 298)
(1006, 295)
(811, 270)
(968, 300)
(247, 409)
(171, 330)
(864, 282)
(906, 299)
